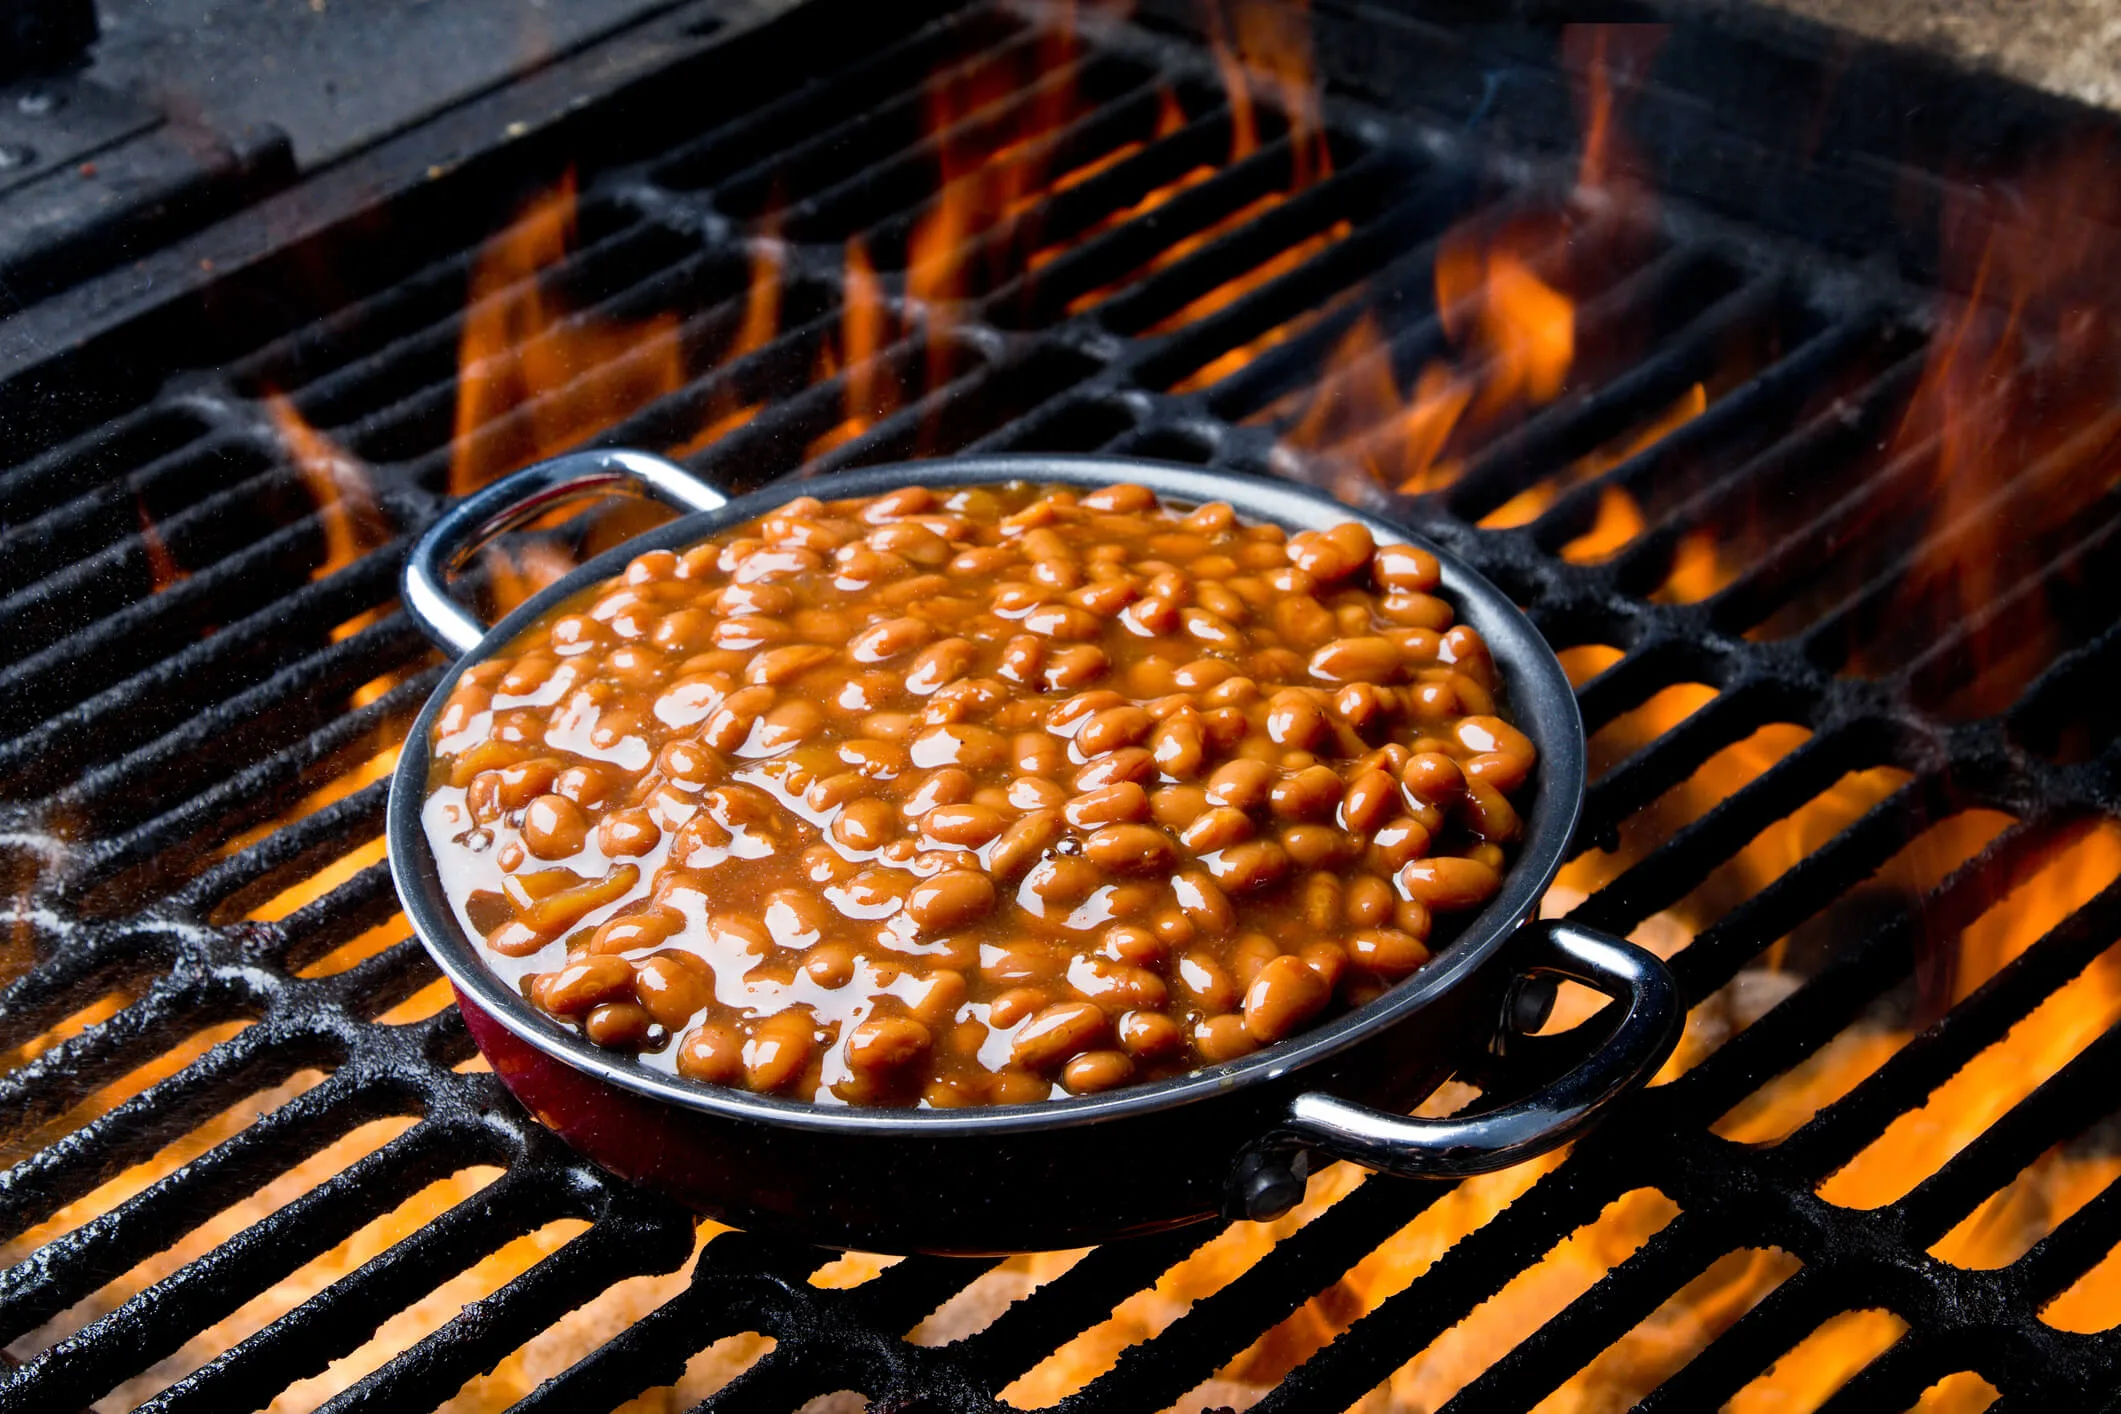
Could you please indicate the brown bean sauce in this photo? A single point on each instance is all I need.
(977, 797)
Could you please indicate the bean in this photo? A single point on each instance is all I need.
(1118, 987)
(1203, 902)
(1114, 804)
(1063, 622)
(1396, 842)
(830, 965)
(1129, 849)
(1498, 770)
(1434, 778)
(622, 1026)
(1134, 945)
(938, 665)
(1129, 763)
(1251, 866)
(729, 725)
(1223, 1038)
(887, 1043)
(795, 919)
(583, 984)
(959, 744)
(896, 505)
(1370, 800)
(1073, 667)
(1406, 568)
(1322, 900)
(1471, 695)
(1294, 719)
(1093, 1071)
(1216, 829)
(1253, 951)
(1388, 951)
(1014, 1005)
(963, 824)
(712, 1054)
(1124, 496)
(554, 827)
(1489, 813)
(1174, 807)
(1060, 1031)
(1310, 794)
(1019, 846)
(1370, 660)
(1031, 793)
(778, 1050)
(864, 824)
(1063, 881)
(628, 833)
(1112, 729)
(947, 786)
(646, 929)
(1205, 980)
(950, 900)
(1448, 884)
(1282, 998)
(1468, 652)
(1150, 1035)
(1022, 657)
(1424, 611)
(1177, 745)
(1310, 846)
(672, 991)
(1368, 901)
(1243, 784)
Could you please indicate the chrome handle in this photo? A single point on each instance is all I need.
(523, 496)
(1268, 1177)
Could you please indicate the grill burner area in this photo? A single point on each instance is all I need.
(1828, 551)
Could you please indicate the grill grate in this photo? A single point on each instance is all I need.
(209, 984)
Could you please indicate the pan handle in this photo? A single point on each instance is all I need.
(522, 496)
(1268, 1178)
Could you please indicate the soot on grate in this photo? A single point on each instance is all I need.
(1826, 553)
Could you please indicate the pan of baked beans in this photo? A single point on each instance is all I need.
(1001, 854)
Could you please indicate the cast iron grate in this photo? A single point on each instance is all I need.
(1813, 747)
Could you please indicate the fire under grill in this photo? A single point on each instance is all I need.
(1829, 554)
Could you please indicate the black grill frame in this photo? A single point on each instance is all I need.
(140, 905)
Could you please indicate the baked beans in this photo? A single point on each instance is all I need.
(976, 797)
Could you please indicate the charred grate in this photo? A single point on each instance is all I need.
(1875, 818)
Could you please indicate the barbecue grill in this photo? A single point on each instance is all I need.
(1821, 515)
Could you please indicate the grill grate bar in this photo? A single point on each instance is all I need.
(1077, 1299)
(140, 1227)
(2056, 1110)
(621, 1243)
(1593, 1322)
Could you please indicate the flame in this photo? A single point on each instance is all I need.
(1269, 45)
(1516, 335)
(162, 567)
(1607, 58)
(534, 377)
(1529, 504)
(870, 389)
(347, 512)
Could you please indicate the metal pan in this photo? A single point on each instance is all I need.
(1236, 1138)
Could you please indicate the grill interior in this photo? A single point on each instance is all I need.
(1854, 769)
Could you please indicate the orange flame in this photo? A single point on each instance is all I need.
(1269, 45)
(162, 567)
(346, 505)
(535, 378)
(1517, 336)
